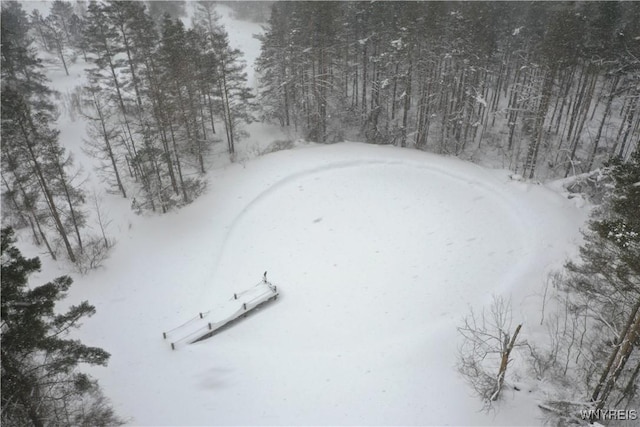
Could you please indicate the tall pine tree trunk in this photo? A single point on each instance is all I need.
(596, 396)
(67, 195)
(185, 197)
(107, 144)
(534, 146)
(585, 102)
(407, 103)
(605, 115)
(53, 209)
(628, 125)
(132, 68)
(617, 363)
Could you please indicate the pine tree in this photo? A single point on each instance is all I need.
(122, 15)
(57, 28)
(30, 145)
(77, 29)
(236, 99)
(37, 22)
(174, 8)
(103, 136)
(179, 58)
(162, 88)
(146, 41)
(608, 279)
(275, 96)
(54, 33)
(40, 383)
(222, 73)
(105, 34)
(62, 12)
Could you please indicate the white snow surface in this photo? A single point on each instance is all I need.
(377, 251)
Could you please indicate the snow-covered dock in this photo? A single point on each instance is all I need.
(207, 324)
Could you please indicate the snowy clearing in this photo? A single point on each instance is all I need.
(377, 251)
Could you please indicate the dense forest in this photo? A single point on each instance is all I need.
(545, 89)
(550, 89)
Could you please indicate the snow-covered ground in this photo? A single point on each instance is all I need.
(377, 252)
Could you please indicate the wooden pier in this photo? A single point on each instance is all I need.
(206, 324)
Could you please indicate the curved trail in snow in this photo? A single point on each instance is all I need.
(478, 183)
(377, 253)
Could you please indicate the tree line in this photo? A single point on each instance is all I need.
(38, 186)
(159, 97)
(157, 94)
(551, 89)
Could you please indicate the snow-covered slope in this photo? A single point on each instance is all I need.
(377, 251)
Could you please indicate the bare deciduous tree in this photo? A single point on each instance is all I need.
(485, 353)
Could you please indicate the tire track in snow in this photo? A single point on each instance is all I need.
(496, 191)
